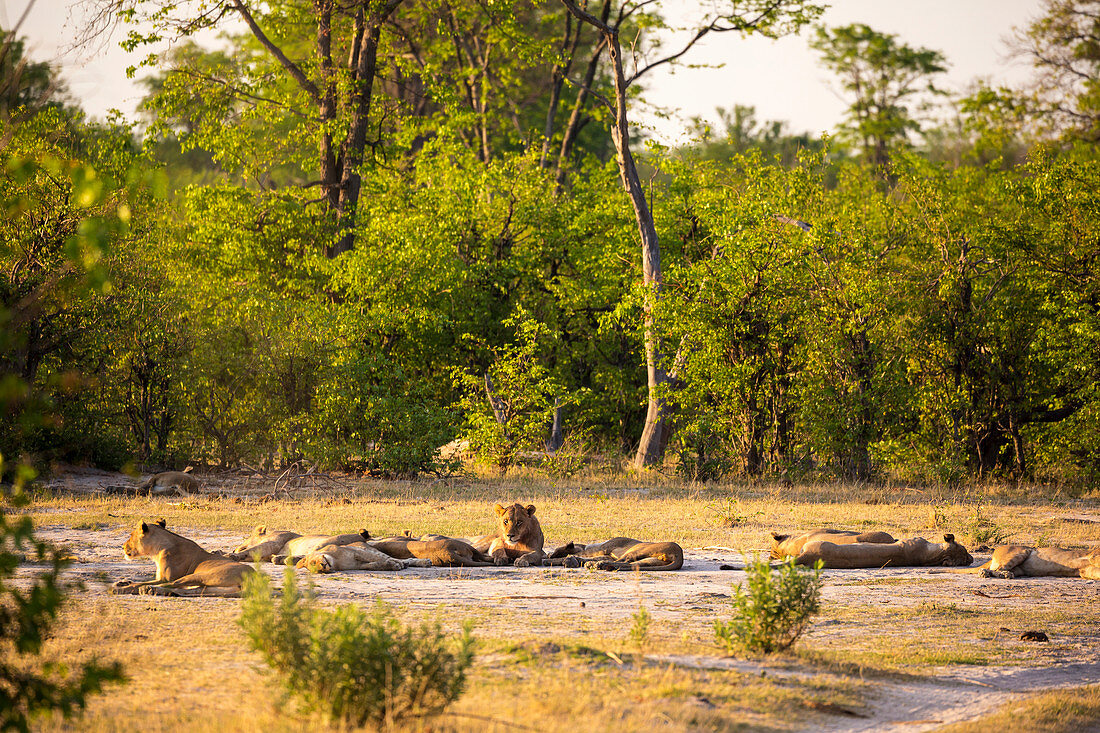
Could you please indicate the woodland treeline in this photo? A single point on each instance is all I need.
(354, 231)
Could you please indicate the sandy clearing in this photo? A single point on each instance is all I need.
(587, 600)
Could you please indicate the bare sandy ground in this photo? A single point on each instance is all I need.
(587, 600)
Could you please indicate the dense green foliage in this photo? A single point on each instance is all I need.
(350, 666)
(939, 323)
(776, 608)
(29, 687)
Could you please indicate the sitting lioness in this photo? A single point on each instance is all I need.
(785, 545)
(181, 565)
(278, 545)
(440, 551)
(913, 552)
(518, 538)
(620, 553)
(1018, 561)
(356, 556)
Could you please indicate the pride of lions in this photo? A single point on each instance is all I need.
(184, 568)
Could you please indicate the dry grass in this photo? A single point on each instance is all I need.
(589, 510)
(1065, 711)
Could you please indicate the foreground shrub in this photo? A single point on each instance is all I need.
(776, 609)
(28, 687)
(351, 666)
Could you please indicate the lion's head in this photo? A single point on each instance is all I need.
(135, 544)
(316, 563)
(259, 534)
(954, 553)
(517, 522)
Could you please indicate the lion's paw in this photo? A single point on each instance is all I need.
(571, 562)
(502, 561)
(155, 590)
(600, 565)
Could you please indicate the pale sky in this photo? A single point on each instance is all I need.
(782, 79)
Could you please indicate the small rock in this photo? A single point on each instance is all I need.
(1034, 636)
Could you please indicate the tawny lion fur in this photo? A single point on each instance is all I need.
(620, 553)
(913, 552)
(182, 566)
(277, 545)
(785, 545)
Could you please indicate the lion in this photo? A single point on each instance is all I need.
(913, 552)
(439, 550)
(181, 565)
(353, 556)
(519, 538)
(278, 545)
(785, 545)
(1020, 561)
(168, 483)
(620, 553)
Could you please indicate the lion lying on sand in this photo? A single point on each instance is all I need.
(785, 545)
(913, 552)
(440, 551)
(620, 553)
(278, 545)
(183, 568)
(352, 556)
(1019, 561)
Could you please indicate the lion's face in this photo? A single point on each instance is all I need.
(319, 564)
(955, 554)
(259, 534)
(135, 544)
(516, 521)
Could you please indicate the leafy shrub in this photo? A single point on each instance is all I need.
(510, 408)
(351, 666)
(25, 620)
(639, 630)
(776, 609)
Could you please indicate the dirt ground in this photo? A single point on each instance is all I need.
(938, 649)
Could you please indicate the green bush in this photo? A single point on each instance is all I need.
(26, 687)
(776, 609)
(351, 666)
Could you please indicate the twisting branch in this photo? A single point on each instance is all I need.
(292, 68)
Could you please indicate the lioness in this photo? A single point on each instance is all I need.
(441, 551)
(1019, 561)
(181, 564)
(785, 545)
(277, 545)
(356, 556)
(915, 551)
(174, 483)
(519, 537)
(620, 553)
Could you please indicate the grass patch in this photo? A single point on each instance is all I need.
(1064, 711)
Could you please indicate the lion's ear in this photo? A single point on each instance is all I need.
(530, 510)
(261, 529)
(144, 527)
(162, 523)
(499, 509)
(408, 533)
(779, 537)
(364, 534)
(949, 538)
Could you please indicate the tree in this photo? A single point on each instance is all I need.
(771, 18)
(337, 97)
(1063, 46)
(883, 76)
